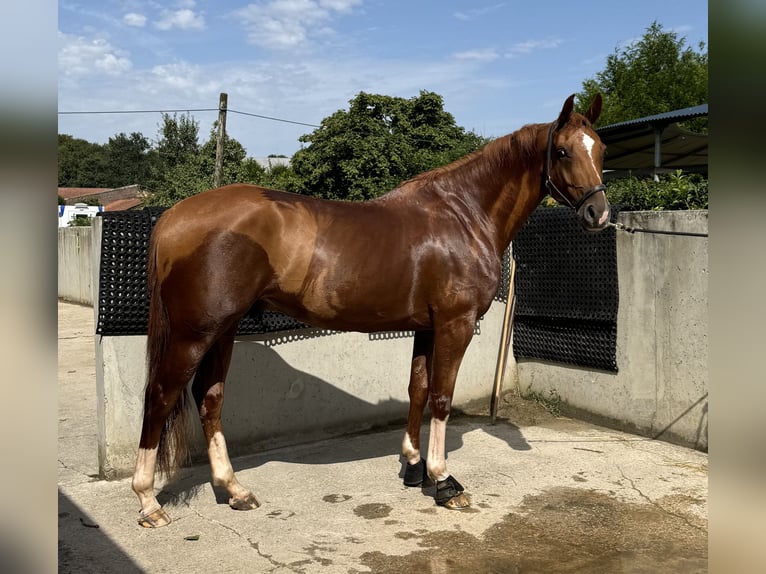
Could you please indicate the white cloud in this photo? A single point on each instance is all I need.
(486, 55)
(339, 5)
(79, 56)
(183, 19)
(476, 13)
(186, 79)
(285, 24)
(133, 19)
(534, 45)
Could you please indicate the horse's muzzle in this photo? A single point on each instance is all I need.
(594, 213)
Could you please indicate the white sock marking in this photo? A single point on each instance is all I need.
(143, 479)
(223, 473)
(437, 465)
(409, 451)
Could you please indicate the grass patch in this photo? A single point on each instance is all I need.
(551, 402)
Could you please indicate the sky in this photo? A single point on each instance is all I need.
(497, 64)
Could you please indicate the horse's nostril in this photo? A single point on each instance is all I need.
(590, 212)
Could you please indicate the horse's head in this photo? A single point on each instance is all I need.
(573, 164)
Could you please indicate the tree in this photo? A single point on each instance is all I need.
(233, 155)
(124, 160)
(129, 160)
(378, 143)
(656, 74)
(191, 170)
(176, 172)
(80, 163)
(178, 140)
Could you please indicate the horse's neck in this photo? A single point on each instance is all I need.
(505, 182)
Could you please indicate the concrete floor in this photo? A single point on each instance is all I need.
(549, 494)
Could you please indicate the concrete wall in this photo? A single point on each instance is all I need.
(295, 387)
(662, 345)
(75, 265)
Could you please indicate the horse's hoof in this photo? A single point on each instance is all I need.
(459, 502)
(155, 519)
(250, 502)
(449, 493)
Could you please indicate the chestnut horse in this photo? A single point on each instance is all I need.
(425, 257)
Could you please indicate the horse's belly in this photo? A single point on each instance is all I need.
(352, 311)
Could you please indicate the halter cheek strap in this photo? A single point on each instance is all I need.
(551, 187)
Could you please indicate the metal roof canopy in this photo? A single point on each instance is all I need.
(656, 144)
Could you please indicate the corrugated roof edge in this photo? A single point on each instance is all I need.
(664, 118)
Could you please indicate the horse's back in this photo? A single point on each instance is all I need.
(366, 266)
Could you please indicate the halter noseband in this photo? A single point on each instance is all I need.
(549, 185)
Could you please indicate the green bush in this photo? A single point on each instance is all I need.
(673, 191)
(82, 221)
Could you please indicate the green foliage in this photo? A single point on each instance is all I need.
(62, 201)
(191, 168)
(233, 156)
(125, 160)
(378, 143)
(656, 74)
(81, 163)
(551, 403)
(178, 139)
(179, 182)
(177, 171)
(82, 221)
(281, 177)
(130, 160)
(91, 201)
(672, 192)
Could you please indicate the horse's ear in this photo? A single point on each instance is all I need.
(595, 109)
(566, 111)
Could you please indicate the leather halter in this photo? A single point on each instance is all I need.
(549, 185)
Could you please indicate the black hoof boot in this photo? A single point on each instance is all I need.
(450, 494)
(416, 474)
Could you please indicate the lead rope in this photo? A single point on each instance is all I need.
(623, 227)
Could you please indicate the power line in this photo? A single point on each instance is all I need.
(273, 119)
(138, 111)
(94, 112)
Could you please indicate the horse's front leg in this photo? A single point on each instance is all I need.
(415, 471)
(450, 343)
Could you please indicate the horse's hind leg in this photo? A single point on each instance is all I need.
(208, 390)
(163, 405)
(422, 351)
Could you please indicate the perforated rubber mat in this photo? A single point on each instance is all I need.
(123, 302)
(566, 291)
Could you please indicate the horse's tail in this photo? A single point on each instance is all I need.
(173, 448)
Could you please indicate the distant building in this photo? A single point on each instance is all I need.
(269, 162)
(112, 199)
(68, 213)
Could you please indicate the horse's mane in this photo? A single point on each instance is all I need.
(518, 148)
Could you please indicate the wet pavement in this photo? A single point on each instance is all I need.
(549, 494)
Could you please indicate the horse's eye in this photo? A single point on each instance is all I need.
(561, 152)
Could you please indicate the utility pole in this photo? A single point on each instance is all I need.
(222, 103)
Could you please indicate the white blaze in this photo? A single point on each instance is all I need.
(588, 143)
